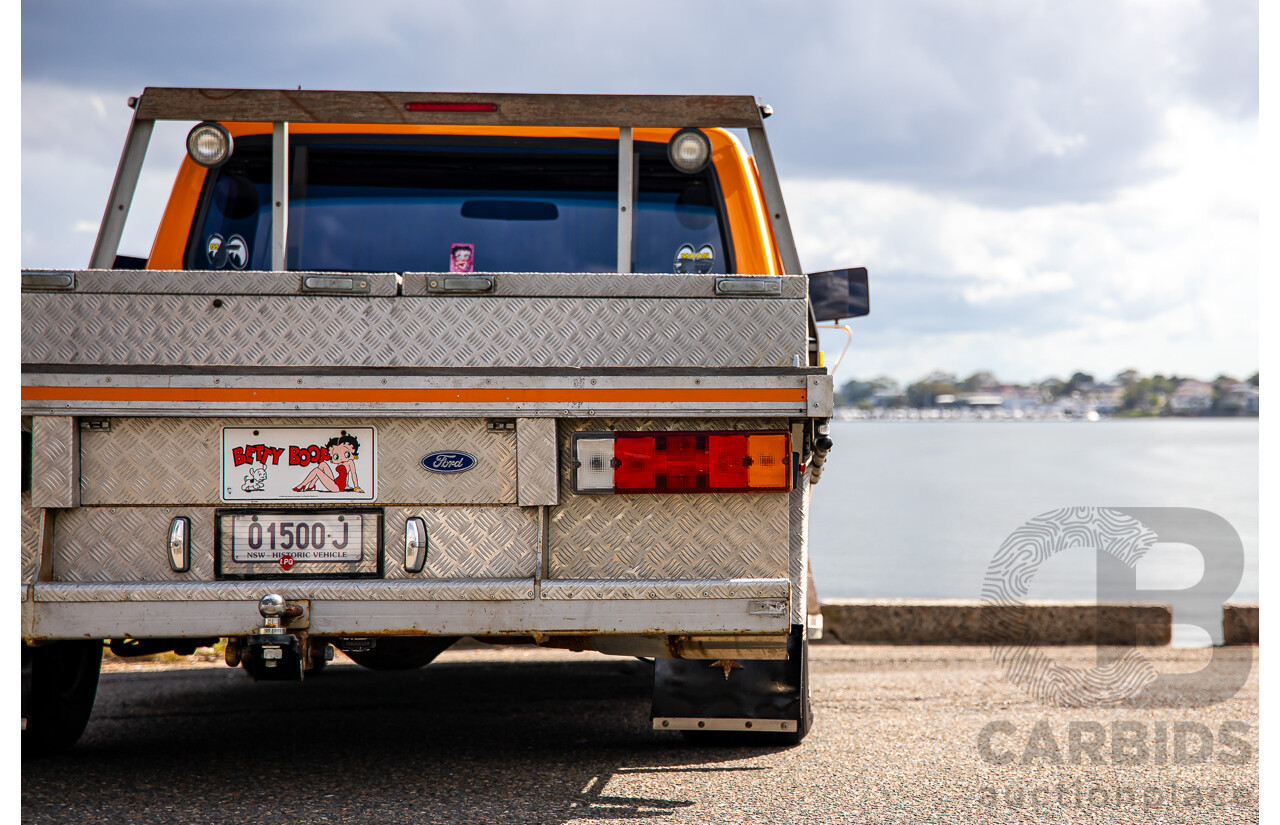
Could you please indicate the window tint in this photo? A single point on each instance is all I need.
(524, 205)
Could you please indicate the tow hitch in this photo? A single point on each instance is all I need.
(272, 652)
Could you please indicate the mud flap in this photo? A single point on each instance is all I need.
(759, 695)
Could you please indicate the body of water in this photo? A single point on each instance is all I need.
(918, 509)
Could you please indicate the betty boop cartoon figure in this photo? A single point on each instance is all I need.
(343, 451)
(461, 257)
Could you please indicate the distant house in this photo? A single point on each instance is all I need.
(1106, 397)
(1240, 396)
(982, 399)
(1192, 397)
(886, 396)
(1020, 398)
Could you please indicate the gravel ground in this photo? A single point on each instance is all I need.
(532, 736)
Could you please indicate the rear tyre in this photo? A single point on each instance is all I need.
(401, 652)
(59, 683)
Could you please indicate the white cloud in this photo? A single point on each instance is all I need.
(1162, 276)
(1003, 101)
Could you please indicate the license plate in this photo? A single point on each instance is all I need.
(271, 543)
(325, 538)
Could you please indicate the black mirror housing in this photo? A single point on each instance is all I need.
(839, 293)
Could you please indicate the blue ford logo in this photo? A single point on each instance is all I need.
(448, 461)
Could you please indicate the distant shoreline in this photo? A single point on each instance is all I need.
(928, 415)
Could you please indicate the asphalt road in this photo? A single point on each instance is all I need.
(903, 735)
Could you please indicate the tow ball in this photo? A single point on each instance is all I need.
(272, 653)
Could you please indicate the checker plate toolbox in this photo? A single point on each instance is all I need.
(408, 452)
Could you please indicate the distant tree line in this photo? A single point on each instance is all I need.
(1128, 392)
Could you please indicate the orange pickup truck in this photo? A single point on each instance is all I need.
(406, 367)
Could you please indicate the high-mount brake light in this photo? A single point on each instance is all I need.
(209, 144)
(739, 461)
(689, 150)
(423, 106)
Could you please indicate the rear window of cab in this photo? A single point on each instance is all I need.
(364, 203)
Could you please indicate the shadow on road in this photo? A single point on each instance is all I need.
(474, 742)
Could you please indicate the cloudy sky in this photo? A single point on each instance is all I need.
(1036, 187)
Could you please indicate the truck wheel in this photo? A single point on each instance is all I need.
(401, 653)
(59, 682)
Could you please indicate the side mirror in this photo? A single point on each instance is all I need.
(839, 293)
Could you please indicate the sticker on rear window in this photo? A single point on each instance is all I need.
(213, 249)
(233, 251)
(237, 252)
(462, 257)
(704, 259)
(701, 261)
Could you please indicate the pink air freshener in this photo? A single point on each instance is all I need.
(462, 257)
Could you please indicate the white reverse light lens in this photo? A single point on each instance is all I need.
(595, 463)
(689, 150)
(209, 144)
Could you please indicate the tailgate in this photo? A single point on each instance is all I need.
(141, 387)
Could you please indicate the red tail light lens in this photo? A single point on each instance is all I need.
(682, 462)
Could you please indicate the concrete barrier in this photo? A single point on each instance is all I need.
(1239, 624)
(974, 622)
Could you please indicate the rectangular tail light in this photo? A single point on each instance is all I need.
(739, 461)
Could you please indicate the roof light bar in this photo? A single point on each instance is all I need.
(739, 461)
(423, 106)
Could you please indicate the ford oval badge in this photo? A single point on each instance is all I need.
(449, 461)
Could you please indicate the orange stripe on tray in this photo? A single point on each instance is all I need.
(294, 395)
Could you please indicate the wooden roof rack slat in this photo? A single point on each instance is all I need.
(281, 105)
